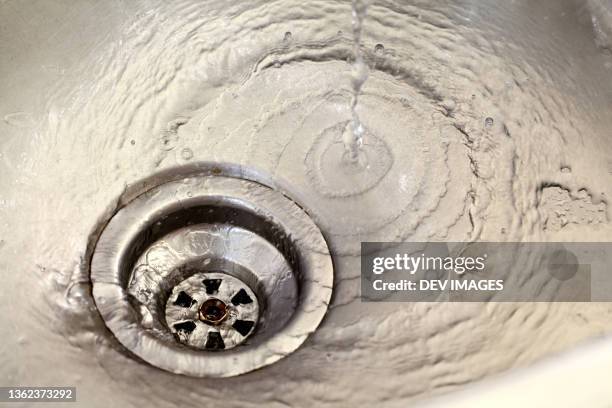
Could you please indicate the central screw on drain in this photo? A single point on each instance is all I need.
(213, 311)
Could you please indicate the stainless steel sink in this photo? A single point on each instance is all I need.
(483, 120)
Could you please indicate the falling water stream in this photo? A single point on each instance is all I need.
(353, 133)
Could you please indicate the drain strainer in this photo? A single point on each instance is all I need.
(212, 311)
(211, 275)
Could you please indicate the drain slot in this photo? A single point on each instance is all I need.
(212, 285)
(211, 276)
(214, 341)
(184, 300)
(241, 298)
(185, 327)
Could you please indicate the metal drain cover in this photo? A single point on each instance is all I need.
(211, 275)
(212, 311)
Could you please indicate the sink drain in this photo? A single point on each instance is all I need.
(212, 311)
(211, 275)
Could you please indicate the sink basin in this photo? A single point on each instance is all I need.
(483, 120)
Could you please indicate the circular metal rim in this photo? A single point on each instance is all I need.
(314, 260)
(275, 282)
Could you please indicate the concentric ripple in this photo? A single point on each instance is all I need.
(334, 174)
(403, 170)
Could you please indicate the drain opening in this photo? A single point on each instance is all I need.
(241, 298)
(185, 327)
(184, 300)
(214, 341)
(211, 276)
(212, 285)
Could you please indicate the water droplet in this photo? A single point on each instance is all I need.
(77, 294)
(379, 49)
(566, 169)
(168, 140)
(288, 36)
(404, 101)
(488, 122)
(187, 153)
(146, 318)
(277, 64)
(449, 105)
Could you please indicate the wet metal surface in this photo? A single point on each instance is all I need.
(484, 120)
(184, 261)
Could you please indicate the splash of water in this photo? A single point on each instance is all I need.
(353, 133)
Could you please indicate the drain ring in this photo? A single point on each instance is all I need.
(211, 224)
